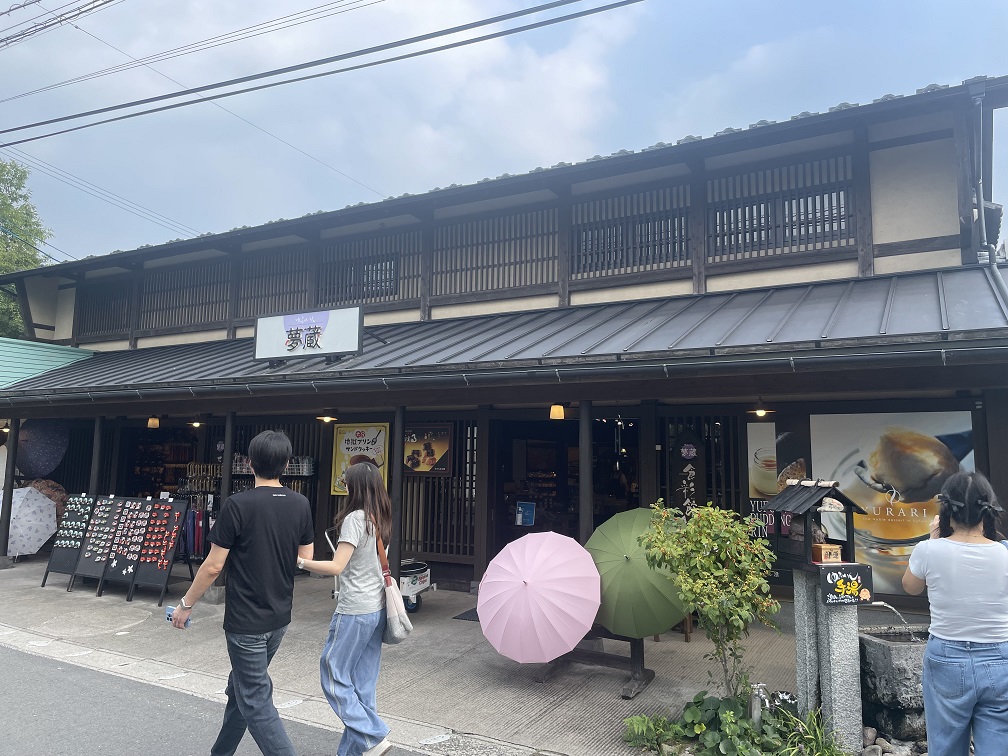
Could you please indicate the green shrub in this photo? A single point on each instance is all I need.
(808, 736)
(720, 571)
(649, 732)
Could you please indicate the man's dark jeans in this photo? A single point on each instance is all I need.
(250, 697)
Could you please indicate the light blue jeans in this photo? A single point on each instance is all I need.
(966, 688)
(350, 663)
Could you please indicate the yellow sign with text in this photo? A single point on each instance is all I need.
(362, 442)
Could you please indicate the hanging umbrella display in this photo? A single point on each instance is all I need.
(42, 444)
(637, 601)
(33, 521)
(538, 598)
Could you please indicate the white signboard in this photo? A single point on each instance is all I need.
(310, 334)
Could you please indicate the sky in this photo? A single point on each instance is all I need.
(624, 79)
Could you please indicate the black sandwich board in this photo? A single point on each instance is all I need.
(97, 543)
(157, 555)
(128, 544)
(69, 537)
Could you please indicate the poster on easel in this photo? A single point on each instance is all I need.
(69, 537)
(97, 543)
(165, 526)
(127, 544)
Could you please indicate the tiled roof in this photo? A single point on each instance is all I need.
(898, 309)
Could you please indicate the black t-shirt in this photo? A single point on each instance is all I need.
(262, 528)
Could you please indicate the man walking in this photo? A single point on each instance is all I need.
(259, 534)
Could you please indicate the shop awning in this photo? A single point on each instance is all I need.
(940, 314)
(23, 359)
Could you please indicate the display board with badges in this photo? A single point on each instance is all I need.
(70, 536)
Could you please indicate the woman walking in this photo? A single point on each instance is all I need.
(352, 654)
(965, 571)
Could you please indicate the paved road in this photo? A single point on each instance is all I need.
(58, 709)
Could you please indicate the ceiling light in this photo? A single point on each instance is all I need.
(760, 410)
(6, 428)
(556, 412)
(153, 422)
(328, 417)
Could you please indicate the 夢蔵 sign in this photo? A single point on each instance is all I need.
(846, 583)
(310, 334)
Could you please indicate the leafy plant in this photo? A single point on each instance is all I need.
(721, 727)
(808, 736)
(649, 733)
(720, 570)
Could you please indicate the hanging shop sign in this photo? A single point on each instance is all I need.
(846, 584)
(310, 334)
(427, 449)
(361, 442)
(688, 471)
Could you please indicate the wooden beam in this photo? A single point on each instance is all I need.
(649, 455)
(323, 497)
(861, 166)
(697, 221)
(427, 239)
(24, 305)
(395, 463)
(234, 292)
(565, 211)
(586, 486)
(133, 315)
(996, 406)
(968, 240)
(484, 494)
(96, 455)
(929, 244)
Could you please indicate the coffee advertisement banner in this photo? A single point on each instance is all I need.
(893, 465)
(358, 443)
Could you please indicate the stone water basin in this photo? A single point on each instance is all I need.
(891, 668)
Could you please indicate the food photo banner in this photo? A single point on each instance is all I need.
(893, 465)
(360, 442)
(427, 449)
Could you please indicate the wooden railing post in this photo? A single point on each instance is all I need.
(698, 225)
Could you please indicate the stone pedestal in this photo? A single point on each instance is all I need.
(806, 587)
(828, 662)
(840, 673)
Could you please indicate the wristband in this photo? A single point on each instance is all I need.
(183, 604)
(300, 563)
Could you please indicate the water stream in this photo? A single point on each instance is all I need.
(913, 638)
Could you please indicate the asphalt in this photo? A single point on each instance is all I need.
(444, 691)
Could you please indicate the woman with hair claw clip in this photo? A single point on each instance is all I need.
(965, 571)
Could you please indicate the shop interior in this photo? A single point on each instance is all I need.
(538, 475)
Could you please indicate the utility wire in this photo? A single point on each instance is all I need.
(284, 22)
(18, 7)
(241, 118)
(98, 192)
(58, 20)
(16, 237)
(343, 56)
(40, 15)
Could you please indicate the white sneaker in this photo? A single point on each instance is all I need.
(383, 747)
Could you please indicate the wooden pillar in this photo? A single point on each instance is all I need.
(426, 265)
(564, 212)
(963, 137)
(697, 225)
(484, 499)
(116, 453)
(234, 290)
(96, 455)
(648, 476)
(226, 464)
(395, 463)
(996, 408)
(134, 310)
(586, 486)
(8, 486)
(323, 497)
(861, 166)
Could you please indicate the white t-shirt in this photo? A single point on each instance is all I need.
(967, 587)
(361, 587)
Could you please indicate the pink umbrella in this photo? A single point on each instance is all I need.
(539, 597)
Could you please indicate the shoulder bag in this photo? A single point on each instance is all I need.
(397, 623)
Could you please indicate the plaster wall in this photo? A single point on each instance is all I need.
(944, 258)
(469, 309)
(914, 192)
(65, 300)
(679, 288)
(782, 276)
(182, 338)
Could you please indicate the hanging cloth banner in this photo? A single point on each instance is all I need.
(688, 471)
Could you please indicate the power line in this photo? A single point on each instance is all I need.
(83, 10)
(266, 27)
(18, 7)
(298, 67)
(241, 118)
(16, 237)
(98, 192)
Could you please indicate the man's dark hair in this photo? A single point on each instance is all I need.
(269, 453)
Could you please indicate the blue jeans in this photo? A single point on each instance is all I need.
(250, 697)
(966, 687)
(350, 663)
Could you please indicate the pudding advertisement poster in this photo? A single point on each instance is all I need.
(893, 465)
(358, 443)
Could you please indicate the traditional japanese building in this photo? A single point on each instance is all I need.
(816, 297)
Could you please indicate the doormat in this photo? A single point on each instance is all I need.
(470, 615)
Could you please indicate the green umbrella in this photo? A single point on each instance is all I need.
(637, 601)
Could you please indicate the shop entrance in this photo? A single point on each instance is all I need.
(538, 476)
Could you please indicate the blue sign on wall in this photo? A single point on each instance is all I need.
(525, 513)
